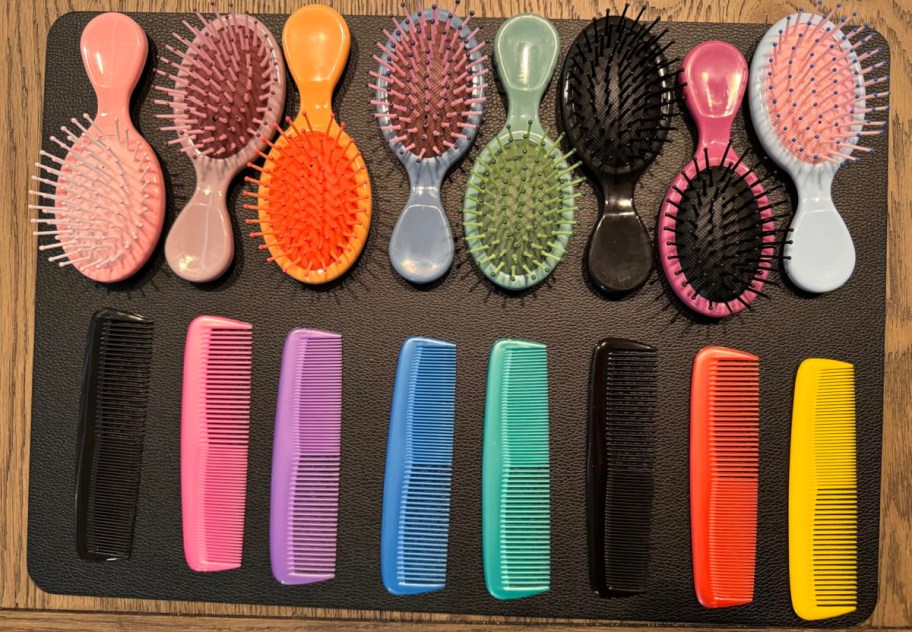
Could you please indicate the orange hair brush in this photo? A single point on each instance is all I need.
(313, 198)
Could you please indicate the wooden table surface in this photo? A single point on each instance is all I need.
(23, 27)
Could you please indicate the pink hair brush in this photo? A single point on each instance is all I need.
(108, 201)
(810, 106)
(228, 95)
(716, 226)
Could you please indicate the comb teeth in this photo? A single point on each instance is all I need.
(419, 460)
(823, 491)
(306, 457)
(815, 67)
(519, 207)
(314, 206)
(724, 463)
(215, 427)
(429, 85)
(105, 211)
(223, 85)
(112, 424)
(618, 92)
(620, 475)
(516, 516)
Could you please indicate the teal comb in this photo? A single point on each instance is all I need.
(516, 504)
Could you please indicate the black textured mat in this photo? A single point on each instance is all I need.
(375, 311)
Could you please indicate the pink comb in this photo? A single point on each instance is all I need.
(714, 76)
(811, 90)
(108, 200)
(228, 95)
(215, 426)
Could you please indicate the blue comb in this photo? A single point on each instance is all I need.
(419, 460)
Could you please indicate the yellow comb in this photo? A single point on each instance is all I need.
(823, 495)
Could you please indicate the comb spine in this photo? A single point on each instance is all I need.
(86, 466)
(288, 448)
(703, 514)
(400, 444)
(194, 450)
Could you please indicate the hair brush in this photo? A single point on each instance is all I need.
(314, 196)
(228, 94)
(716, 230)
(520, 197)
(429, 95)
(810, 105)
(615, 102)
(108, 202)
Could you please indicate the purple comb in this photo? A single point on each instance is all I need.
(304, 504)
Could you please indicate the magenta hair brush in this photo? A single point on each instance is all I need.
(107, 204)
(429, 94)
(228, 95)
(716, 231)
(812, 93)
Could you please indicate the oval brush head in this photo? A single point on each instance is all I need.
(228, 93)
(429, 96)
(106, 204)
(314, 195)
(716, 228)
(812, 89)
(520, 197)
(615, 101)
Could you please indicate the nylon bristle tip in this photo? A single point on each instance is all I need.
(105, 209)
(429, 87)
(222, 78)
(820, 84)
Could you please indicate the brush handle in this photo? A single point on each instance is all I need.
(526, 49)
(714, 75)
(619, 256)
(114, 51)
(421, 248)
(200, 245)
(316, 42)
(819, 255)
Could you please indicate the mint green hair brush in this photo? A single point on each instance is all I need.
(520, 197)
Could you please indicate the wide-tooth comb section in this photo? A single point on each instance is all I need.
(304, 503)
(620, 465)
(823, 491)
(516, 486)
(419, 460)
(724, 464)
(112, 429)
(215, 428)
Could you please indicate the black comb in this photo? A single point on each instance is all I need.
(616, 103)
(111, 428)
(620, 453)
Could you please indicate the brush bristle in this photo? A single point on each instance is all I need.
(313, 202)
(618, 92)
(429, 88)
(107, 204)
(725, 460)
(721, 232)
(819, 88)
(222, 83)
(519, 207)
(113, 419)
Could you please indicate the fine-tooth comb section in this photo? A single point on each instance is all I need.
(112, 423)
(215, 427)
(416, 495)
(304, 503)
(823, 491)
(620, 477)
(516, 504)
(724, 464)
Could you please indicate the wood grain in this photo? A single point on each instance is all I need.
(24, 25)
